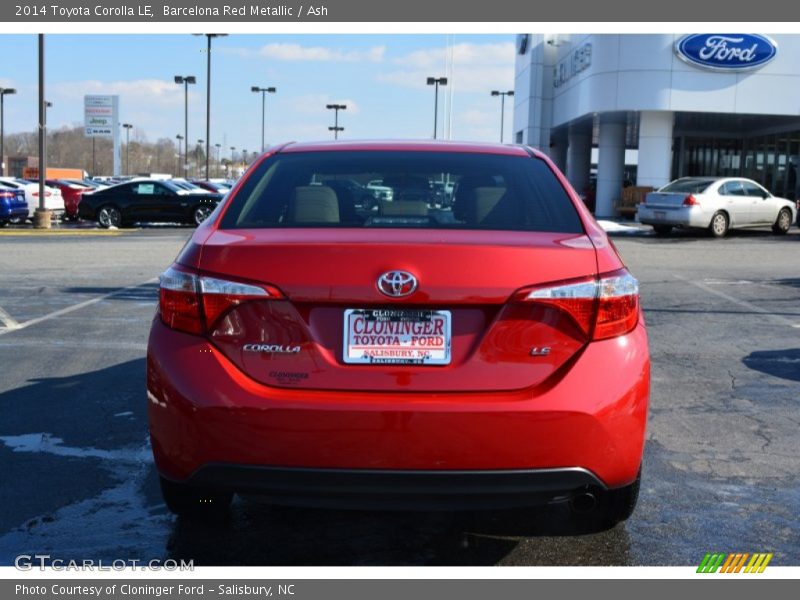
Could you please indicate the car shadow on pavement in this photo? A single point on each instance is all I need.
(143, 292)
(256, 533)
(65, 440)
(686, 235)
(778, 363)
(789, 282)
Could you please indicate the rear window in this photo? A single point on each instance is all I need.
(688, 186)
(428, 190)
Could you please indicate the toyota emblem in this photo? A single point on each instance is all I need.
(397, 283)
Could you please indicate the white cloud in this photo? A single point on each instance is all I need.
(463, 54)
(476, 67)
(480, 121)
(300, 53)
(151, 91)
(475, 117)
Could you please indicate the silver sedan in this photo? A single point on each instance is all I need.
(716, 204)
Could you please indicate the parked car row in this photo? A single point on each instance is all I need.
(53, 200)
(113, 202)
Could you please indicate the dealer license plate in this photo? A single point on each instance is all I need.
(394, 336)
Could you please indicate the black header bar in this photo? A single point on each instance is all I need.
(441, 11)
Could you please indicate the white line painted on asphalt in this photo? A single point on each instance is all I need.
(743, 303)
(7, 320)
(78, 306)
(78, 343)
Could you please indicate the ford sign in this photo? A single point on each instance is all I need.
(726, 51)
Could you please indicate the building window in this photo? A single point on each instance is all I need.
(518, 137)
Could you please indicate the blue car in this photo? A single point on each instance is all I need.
(13, 207)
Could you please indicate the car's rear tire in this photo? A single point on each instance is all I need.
(187, 500)
(718, 227)
(662, 230)
(109, 216)
(201, 213)
(783, 223)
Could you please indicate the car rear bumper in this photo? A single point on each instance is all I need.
(679, 216)
(389, 490)
(203, 411)
(14, 213)
(55, 213)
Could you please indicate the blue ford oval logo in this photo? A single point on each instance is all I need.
(726, 51)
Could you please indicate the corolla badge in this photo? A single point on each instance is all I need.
(271, 348)
(726, 51)
(397, 284)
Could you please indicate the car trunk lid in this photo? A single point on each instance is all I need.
(495, 342)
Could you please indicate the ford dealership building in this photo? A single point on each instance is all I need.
(615, 110)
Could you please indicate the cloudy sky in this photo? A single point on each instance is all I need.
(381, 78)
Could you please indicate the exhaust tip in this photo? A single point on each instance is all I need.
(583, 502)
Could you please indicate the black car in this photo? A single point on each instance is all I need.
(147, 200)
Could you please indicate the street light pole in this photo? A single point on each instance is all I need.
(3, 93)
(217, 146)
(127, 127)
(180, 139)
(185, 80)
(264, 92)
(336, 108)
(209, 37)
(42, 215)
(436, 81)
(197, 156)
(502, 108)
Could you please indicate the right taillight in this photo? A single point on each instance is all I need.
(603, 307)
(617, 305)
(193, 303)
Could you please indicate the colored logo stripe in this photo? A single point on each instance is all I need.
(734, 562)
(758, 563)
(710, 563)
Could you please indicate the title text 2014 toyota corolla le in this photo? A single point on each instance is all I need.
(487, 351)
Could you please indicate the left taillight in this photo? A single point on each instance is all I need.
(179, 301)
(690, 200)
(192, 303)
(603, 307)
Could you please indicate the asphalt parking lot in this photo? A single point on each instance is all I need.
(721, 460)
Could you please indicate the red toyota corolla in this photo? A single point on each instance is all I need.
(476, 341)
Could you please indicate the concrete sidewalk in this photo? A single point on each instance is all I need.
(624, 226)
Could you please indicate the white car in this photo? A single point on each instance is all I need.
(380, 191)
(53, 200)
(717, 204)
